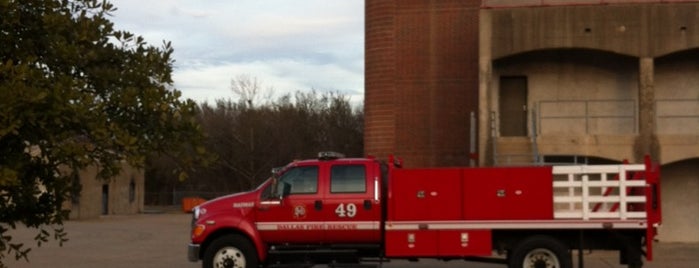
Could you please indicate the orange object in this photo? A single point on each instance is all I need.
(188, 203)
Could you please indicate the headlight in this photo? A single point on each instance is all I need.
(197, 212)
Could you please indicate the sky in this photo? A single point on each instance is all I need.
(286, 45)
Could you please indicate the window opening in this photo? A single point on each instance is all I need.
(348, 179)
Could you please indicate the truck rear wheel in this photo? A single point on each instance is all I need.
(230, 251)
(540, 252)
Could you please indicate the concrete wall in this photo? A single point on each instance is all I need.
(581, 64)
(680, 201)
(127, 192)
(640, 30)
(564, 86)
(122, 196)
(636, 63)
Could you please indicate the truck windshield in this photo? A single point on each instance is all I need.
(298, 180)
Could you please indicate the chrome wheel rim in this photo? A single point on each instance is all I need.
(229, 257)
(541, 258)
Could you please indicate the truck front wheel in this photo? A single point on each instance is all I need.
(540, 252)
(230, 251)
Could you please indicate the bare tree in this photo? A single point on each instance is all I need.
(248, 140)
(249, 90)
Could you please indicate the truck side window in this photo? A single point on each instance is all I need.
(348, 179)
(299, 180)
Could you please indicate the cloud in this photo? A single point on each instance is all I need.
(285, 76)
(289, 46)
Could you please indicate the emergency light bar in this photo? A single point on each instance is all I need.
(330, 155)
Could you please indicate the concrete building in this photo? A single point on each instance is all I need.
(121, 195)
(582, 81)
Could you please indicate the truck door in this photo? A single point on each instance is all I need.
(351, 206)
(296, 216)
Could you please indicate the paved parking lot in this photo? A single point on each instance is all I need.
(159, 240)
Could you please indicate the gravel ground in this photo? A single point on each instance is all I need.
(160, 239)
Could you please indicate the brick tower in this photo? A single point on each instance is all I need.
(421, 79)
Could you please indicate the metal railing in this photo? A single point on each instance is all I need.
(578, 190)
(677, 116)
(509, 159)
(587, 116)
(176, 197)
(494, 136)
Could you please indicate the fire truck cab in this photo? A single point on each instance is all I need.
(337, 210)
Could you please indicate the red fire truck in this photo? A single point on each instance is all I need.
(337, 210)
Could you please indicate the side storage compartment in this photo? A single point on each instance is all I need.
(438, 243)
(426, 216)
(523, 193)
(411, 243)
(425, 194)
(462, 243)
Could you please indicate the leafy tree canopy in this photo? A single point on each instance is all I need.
(75, 92)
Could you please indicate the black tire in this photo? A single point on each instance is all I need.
(540, 251)
(230, 251)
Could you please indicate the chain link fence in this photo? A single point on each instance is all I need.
(174, 198)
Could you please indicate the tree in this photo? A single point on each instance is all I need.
(249, 90)
(78, 93)
(250, 140)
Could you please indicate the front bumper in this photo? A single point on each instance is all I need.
(193, 252)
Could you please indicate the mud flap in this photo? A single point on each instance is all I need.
(631, 252)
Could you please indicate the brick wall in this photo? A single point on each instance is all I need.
(421, 79)
(380, 54)
(524, 3)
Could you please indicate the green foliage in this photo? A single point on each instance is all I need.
(77, 93)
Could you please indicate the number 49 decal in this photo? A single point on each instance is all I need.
(349, 210)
